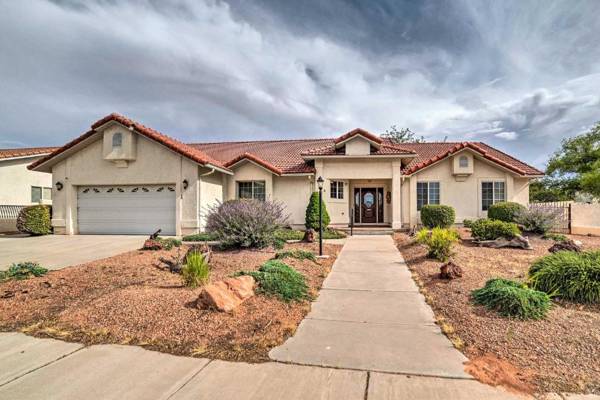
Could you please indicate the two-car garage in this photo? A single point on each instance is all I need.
(127, 210)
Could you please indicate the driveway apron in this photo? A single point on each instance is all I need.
(370, 316)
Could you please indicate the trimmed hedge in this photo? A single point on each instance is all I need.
(570, 275)
(512, 299)
(506, 211)
(437, 215)
(492, 229)
(35, 220)
(312, 213)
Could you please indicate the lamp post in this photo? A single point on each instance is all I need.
(320, 185)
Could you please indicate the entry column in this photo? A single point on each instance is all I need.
(396, 195)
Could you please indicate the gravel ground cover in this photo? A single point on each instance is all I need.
(131, 299)
(558, 354)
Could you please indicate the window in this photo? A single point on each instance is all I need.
(492, 192)
(463, 161)
(337, 190)
(427, 193)
(39, 193)
(117, 140)
(251, 190)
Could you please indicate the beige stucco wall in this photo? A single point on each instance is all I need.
(585, 219)
(357, 146)
(464, 193)
(154, 164)
(212, 191)
(294, 192)
(16, 181)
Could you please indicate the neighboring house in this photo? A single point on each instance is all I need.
(19, 186)
(123, 177)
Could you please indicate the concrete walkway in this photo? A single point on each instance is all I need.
(370, 316)
(47, 369)
(59, 251)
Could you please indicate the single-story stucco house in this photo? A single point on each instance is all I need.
(123, 177)
(19, 186)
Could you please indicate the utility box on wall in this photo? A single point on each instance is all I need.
(119, 145)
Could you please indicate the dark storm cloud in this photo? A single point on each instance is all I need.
(505, 72)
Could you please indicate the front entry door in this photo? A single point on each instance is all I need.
(368, 205)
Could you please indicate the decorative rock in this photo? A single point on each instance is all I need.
(518, 241)
(151, 244)
(450, 271)
(309, 236)
(569, 245)
(227, 294)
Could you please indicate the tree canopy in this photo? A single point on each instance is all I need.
(572, 169)
(403, 135)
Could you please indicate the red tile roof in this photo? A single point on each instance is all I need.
(429, 153)
(25, 152)
(286, 156)
(361, 132)
(175, 145)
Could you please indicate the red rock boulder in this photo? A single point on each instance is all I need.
(227, 294)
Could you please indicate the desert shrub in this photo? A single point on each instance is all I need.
(570, 275)
(196, 270)
(512, 299)
(23, 270)
(439, 242)
(276, 278)
(492, 229)
(246, 223)
(298, 254)
(467, 223)
(312, 213)
(332, 234)
(200, 237)
(35, 220)
(557, 237)
(289, 234)
(506, 211)
(538, 219)
(168, 243)
(437, 215)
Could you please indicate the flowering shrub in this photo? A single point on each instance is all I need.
(246, 223)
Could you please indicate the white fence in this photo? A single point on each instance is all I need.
(575, 218)
(8, 217)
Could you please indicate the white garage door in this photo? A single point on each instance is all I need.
(129, 210)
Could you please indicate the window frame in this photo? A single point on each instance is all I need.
(338, 193)
(253, 189)
(494, 198)
(117, 140)
(465, 159)
(42, 189)
(428, 193)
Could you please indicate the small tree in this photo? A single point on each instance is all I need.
(403, 135)
(312, 213)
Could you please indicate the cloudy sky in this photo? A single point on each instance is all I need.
(519, 75)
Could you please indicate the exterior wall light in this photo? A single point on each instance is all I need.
(59, 186)
(185, 184)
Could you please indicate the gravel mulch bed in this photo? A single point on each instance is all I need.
(130, 299)
(558, 354)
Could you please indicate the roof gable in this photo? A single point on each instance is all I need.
(376, 140)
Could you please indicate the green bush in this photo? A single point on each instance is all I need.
(570, 275)
(200, 237)
(35, 220)
(298, 254)
(23, 270)
(557, 237)
(312, 213)
(196, 270)
(289, 234)
(439, 241)
(506, 211)
(492, 229)
(276, 278)
(512, 299)
(168, 243)
(467, 223)
(436, 215)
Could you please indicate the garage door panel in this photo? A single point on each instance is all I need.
(126, 209)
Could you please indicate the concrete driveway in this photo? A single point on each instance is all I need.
(59, 251)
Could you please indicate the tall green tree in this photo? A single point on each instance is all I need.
(403, 135)
(312, 213)
(575, 167)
